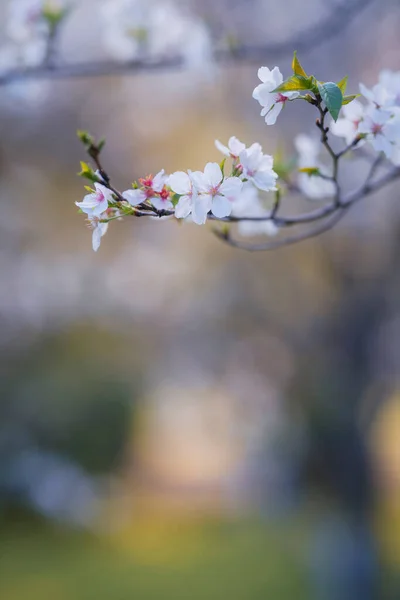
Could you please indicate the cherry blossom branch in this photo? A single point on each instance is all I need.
(330, 214)
(233, 199)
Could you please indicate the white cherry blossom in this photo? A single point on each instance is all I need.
(382, 130)
(135, 196)
(379, 96)
(258, 167)
(153, 189)
(95, 203)
(99, 229)
(214, 192)
(181, 183)
(390, 80)
(272, 102)
(347, 125)
(233, 149)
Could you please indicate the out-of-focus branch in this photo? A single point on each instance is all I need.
(330, 215)
(294, 239)
(307, 39)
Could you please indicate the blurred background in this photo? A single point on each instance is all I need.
(179, 419)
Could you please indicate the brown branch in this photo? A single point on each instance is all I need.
(295, 239)
(371, 186)
(337, 213)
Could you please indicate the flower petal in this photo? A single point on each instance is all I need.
(236, 146)
(161, 204)
(265, 180)
(134, 197)
(224, 149)
(100, 207)
(213, 174)
(231, 187)
(199, 181)
(159, 181)
(221, 207)
(264, 74)
(99, 230)
(183, 208)
(273, 114)
(262, 93)
(180, 182)
(276, 76)
(201, 208)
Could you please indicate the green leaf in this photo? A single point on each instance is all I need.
(284, 167)
(222, 166)
(296, 83)
(333, 98)
(85, 137)
(88, 173)
(53, 16)
(311, 171)
(342, 84)
(348, 99)
(296, 66)
(175, 199)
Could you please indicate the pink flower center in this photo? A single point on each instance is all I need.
(99, 196)
(376, 128)
(281, 98)
(164, 194)
(356, 123)
(147, 181)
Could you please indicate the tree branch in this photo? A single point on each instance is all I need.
(295, 239)
(335, 211)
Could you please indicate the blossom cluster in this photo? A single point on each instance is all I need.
(377, 120)
(192, 195)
